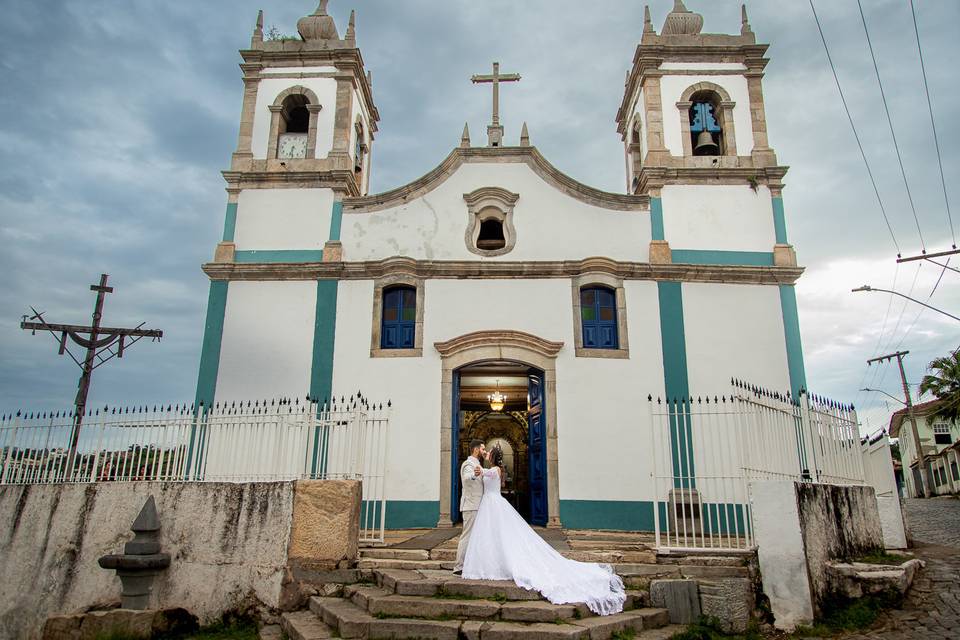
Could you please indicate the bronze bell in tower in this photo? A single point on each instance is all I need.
(706, 145)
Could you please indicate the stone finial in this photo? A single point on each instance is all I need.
(647, 21)
(141, 560)
(465, 137)
(258, 29)
(352, 27)
(744, 22)
(318, 25)
(682, 22)
(524, 136)
(147, 520)
(370, 78)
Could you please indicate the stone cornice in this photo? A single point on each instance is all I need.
(502, 269)
(341, 180)
(499, 338)
(656, 177)
(648, 58)
(528, 155)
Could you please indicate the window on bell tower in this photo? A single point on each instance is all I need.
(706, 131)
(359, 150)
(294, 127)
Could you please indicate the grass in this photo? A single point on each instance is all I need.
(624, 634)
(881, 557)
(233, 630)
(710, 629)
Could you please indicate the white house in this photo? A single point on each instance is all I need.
(495, 272)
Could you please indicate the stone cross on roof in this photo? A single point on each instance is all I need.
(495, 131)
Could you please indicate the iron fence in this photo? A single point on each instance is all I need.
(707, 450)
(229, 442)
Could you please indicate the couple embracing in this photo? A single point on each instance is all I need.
(497, 544)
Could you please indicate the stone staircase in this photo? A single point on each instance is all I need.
(412, 593)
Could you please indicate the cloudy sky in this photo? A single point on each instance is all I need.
(116, 118)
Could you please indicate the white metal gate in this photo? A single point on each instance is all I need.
(230, 442)
(706, 451)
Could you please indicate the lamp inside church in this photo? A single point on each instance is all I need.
(497, 400)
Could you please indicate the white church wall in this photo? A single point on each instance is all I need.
(267, 345)
(276, 219)
(549, 224)
(603, 415)
(737, 331)
(411, 384)
(604, 430)
(672, 87)
(718, 217)
(270, 88)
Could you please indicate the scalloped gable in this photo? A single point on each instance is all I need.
(527, 155)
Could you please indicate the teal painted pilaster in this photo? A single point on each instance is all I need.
(321, 370)
(212, 339)
(779, 220)
(230, 222)
(676, 383)
(791, 331)
(656, 219)
(336, 221)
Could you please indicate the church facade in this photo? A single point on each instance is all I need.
(495, 297)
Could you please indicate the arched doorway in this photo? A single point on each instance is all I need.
(528, 423)
(508, 426)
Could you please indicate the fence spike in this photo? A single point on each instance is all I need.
(389, 404)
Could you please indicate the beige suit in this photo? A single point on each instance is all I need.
(471, 492)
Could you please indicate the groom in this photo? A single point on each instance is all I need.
(470, 494)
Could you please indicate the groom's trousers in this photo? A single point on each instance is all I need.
(468, 517)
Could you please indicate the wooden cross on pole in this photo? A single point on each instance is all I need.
(495, 78)
(102, 340)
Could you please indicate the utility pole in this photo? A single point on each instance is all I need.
(100, 340)
(925, 480)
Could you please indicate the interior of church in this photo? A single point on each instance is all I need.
(494, 407)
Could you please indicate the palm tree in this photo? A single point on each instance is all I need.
(945, 385)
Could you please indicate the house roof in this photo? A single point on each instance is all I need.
(899, 416)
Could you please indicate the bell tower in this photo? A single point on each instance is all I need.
(307, 126)
(694, 128)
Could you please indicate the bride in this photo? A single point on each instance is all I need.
(504, 547)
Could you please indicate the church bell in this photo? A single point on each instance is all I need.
(705, 145)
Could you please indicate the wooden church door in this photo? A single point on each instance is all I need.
(455, 451)
(536, 419)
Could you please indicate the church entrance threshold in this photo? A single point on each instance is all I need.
(517, 427)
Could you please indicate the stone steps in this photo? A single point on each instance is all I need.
(384, 619)
(304, 625)
(630, 555)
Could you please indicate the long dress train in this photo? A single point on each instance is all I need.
(504, 547)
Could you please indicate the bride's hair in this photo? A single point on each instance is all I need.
(496, 456)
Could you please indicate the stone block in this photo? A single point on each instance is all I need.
(326, 520)
(730, 601)
(660, 252)
(303, 625)
(119, 622)
(678, 597)
(539, 611)
(225, 252)
(535, 631)
(421, 629)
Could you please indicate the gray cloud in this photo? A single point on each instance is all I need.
(118, 116)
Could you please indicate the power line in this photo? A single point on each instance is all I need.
(854, 128)
(933, 124)
(896, 146)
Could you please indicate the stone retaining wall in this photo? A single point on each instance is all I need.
(228, 543)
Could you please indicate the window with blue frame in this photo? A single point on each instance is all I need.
(399, 323)
(705, 130)
(598, 316)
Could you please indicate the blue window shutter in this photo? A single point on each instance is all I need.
(599, 319)
(397, 329)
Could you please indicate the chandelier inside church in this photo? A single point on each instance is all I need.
(497, 399)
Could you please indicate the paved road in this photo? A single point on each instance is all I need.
(932, 608)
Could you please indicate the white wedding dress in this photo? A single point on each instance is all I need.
(502, 546)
